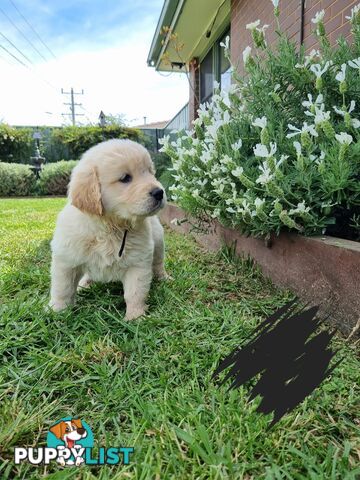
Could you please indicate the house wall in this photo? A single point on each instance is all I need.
(247, 11)
(194, 89)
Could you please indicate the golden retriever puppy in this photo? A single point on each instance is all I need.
(109, 231)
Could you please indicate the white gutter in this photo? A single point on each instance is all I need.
(172, 26)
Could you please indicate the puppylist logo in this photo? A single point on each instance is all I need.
(70, 442)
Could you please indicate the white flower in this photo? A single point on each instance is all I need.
(237, 172)
(216, 213)
(195, 193)
(320, 115)
(246, 205)
(316, 68)
(275, 3)
(203, 111)
(263, 28)
(225, 160)
(212, 130)
(237, 145)
(261, 150)
(230, 210)
(354, 121)
(301, 208)
(226, 43)
(355, 63)
(259, 202)
(309, 103)
(266, 175)
(340, 76)
(309, 58)
(319, 17)
(165, 141)
(202, 183)
(260, 122)
(344, 138)
(226, 117)
(304, 129)
(253, 25)
(297, 147)
(246, 54)
(354, 12)
(318, 160)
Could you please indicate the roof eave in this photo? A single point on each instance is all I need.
(166, 18)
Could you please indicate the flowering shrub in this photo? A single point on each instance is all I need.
(280, 149)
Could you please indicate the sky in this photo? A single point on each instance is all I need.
(99, 46)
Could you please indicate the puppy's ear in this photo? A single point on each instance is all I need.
(85, 192)
(77, 422)
(58, 430)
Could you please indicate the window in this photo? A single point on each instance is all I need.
(206, 77)
(224, 64)
(215, 66)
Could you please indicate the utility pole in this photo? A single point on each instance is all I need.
(73, 104)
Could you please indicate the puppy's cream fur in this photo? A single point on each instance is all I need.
(90, 229)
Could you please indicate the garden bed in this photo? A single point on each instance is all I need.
(321, 270)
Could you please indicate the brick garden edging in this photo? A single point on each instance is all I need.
(322, 270)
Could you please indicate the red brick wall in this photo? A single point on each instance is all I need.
(247, 11)
(194, 89)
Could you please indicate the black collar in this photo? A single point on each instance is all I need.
(123, 243)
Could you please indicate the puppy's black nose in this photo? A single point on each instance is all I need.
(157, 193)
(80, 431)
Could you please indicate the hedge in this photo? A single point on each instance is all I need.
(16, 180)
(55, 177)
(19, 180)
(60, 143)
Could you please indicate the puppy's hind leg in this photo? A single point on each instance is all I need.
(159, 250)
(85, 282)
(64, 280)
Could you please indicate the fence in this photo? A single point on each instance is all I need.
(179, 122)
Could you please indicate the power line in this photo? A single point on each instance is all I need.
(14, 46)
(28, 67)
(32, 28)
(23, 35)
(7, 51)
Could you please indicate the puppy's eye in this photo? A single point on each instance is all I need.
(126, 178)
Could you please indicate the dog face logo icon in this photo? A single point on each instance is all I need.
(69, 431)
(70, 435)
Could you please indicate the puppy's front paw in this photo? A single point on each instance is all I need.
(58, 305)
(134, 312)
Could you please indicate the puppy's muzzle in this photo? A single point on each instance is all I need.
(157, 193)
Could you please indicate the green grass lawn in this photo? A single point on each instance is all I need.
(148, 383)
